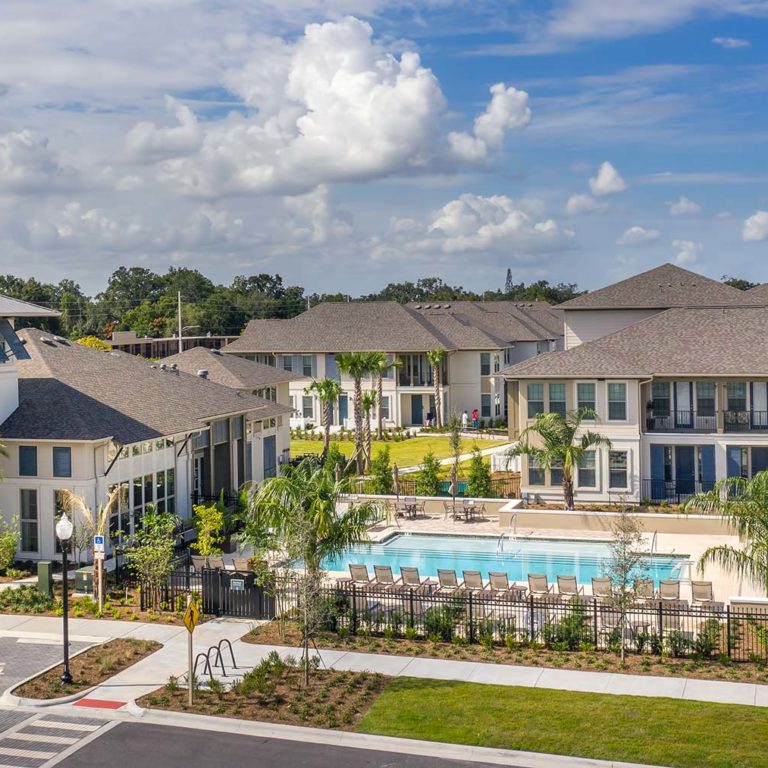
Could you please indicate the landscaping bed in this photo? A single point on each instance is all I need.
(275, 692)
(522, 655)
(117, 606)
(89, 668)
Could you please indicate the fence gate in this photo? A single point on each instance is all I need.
(228, 593)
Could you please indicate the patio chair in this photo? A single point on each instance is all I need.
(568, 586)
(601, 587)
(217, 563)
(447, 580)
(385, 579)
(473, 581)
(501, 588)
(412, 580)
(644, 589)
(538, 584)
(199, 562)
(669, 589)
(702, 592)
(359, 575)
(449, 510)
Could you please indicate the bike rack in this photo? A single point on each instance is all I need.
(218, 660)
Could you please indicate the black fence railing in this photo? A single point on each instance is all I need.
(682, 421)
(172, 594)
(503, 488)
(229, 498)
(559, 623)
(745, 421)
(672, 491)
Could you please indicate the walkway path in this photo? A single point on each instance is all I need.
(154, 671)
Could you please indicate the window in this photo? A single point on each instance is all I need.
(535, 472)
(28, 461)
(585, 395)
(62, 462)
(669, 467)
(617, 401)
(220, 431)
(485, 363)
(557, 398)
(30, 539)
(201, 440)
(535, 400)
(306, 365)
(148, 487)
(737, 396)
(617, 469)
(307, 407)
(496, 365)
(556, 473)
(587, 475)
(661, 398)
(485, 406)
(288, 362)
(705, 398)
(384, 410)
(138, 493)
(237, 428)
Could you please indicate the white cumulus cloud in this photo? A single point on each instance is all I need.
(731, 42)
(638, 235)
(584, 205)
(756, 227)
(607, 182)
(687, 251)
(146, 141)
(28, 164)
(683, 207)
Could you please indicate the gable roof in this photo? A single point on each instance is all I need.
(386, 326)
(230, 370)
(70, 392)
(663, 287)
(17, 308)
(725, 341)
(757, 294)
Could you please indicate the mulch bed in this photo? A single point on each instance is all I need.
(89, 668)
(591, 661)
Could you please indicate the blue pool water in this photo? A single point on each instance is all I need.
(519, 557)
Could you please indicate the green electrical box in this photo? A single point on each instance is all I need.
(84, 580)
(45, 577)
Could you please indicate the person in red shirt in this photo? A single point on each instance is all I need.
(475, 416)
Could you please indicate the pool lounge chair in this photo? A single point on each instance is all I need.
(447, 580)
(568, 586)
(473, 581)
(385, 579)
(538, 584)
(501, 588)
(702, 593)
(669, 589)
(199, 562)
(602, 588)
(644, 589)
(412, 580)
(358, 573)
(217, 563)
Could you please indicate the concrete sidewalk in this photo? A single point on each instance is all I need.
(154, 671)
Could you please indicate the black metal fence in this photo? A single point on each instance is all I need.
(556, 622)
(672, 491)
(502, 488)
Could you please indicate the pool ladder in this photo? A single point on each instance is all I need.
(511, 534)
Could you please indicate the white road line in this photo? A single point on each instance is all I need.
(38, 753)
(64, 725)
(38, 641)
(36, 737)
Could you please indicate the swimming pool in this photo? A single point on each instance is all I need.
(518, 557)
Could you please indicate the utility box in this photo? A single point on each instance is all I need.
(84, 580)
(45, 577)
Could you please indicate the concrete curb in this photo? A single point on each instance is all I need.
(441, 750)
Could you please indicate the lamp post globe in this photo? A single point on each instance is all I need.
(64, 530)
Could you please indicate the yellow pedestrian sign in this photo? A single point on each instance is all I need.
(191, 617)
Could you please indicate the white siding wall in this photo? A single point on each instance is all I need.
(588, 324)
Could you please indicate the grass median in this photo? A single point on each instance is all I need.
(668, 732)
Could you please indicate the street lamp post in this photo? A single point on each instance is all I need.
(64, 530)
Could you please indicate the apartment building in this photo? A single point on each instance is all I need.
(479, 338)
(160, 348)
(682, 394)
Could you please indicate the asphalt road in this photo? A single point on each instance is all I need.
(158, 746)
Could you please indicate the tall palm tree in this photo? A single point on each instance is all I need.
(744, 503)
(327, 391)
(368, 403)
(435, 358)
(297, 516)
(357, 365)
(380, 364)
(559, 444)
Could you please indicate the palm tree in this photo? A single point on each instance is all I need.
(435, 359)
(327, 391)
(297, 517)
(368, 403)
(560, 445)
(744, 503)
(357, 365)
(380, 364)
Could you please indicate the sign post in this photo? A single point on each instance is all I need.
(191, 617)
(98, 568)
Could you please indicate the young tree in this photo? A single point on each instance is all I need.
(428, 479)
(561, 442)
(380, 364)
(744, 503)
(368, 402)
(625, 565)
(209, 522)
(10, 534)
(357, 365)
(381, 472)
(297, 517)
(435, 358)
(479, 477)
(328, 391)
(454, 442)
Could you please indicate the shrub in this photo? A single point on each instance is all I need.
(439, 623)
(708, 639)
(569, 633)
(679, 644)
(479, 477)
(9, 539)
(428, 481)
(25, 599)
(381, 472)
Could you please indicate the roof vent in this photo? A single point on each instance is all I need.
(173, 366)
(427, 306)
(153, 366)
(163, 366)
(203, 373)
(418, 306)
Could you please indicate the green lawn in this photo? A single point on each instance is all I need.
(685, 734)
(404, 454)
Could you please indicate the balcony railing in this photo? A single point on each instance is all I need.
(745, 421)
(672, 491)
(681, 421)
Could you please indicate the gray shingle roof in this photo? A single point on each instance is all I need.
(661, 288)
(16, 308)
(758, 294)
(726, 341)
(387, 326)
(71, 392)
(230, 370)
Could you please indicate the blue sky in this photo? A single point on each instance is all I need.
(346, 144)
